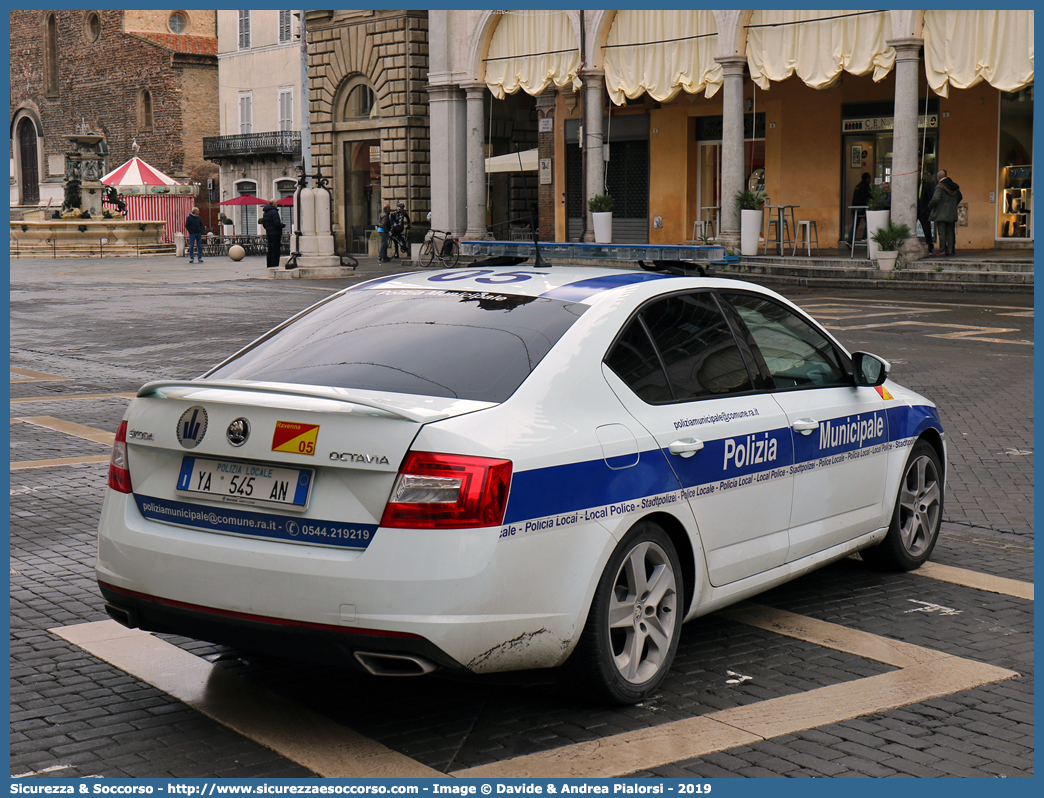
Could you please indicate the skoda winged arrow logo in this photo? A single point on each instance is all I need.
(238, 431)
(192, 426)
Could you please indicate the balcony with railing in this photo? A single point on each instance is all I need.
(273, 144)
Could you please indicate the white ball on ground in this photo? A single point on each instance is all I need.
(236, 252)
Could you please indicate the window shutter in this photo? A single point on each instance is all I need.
(245, 113)
(286, 109)
(244, 30)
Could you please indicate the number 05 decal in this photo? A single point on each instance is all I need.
(498, 278)
(296, 438)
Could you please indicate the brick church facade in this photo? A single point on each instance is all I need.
(146, 79)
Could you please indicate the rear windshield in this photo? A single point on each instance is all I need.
(467, 345)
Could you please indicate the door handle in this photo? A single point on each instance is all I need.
(686, 447)
(806, 425)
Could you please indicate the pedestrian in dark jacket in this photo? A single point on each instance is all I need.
(924, 196)
(860, 198)
(194, 226)
(384, 228)
(273, 225)
(943, 211)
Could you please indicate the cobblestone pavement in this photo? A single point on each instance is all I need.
(102, 329)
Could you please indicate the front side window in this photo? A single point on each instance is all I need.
(680, 349)
(796, 353)
(435, 342)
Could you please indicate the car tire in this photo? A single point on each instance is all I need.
(917, 515)
(632, 630)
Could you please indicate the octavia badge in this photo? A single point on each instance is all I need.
(238, 431)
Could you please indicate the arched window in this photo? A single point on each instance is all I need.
(51, 53)
(248, 214)
(361, 103)
(145, 110)
(285, 188)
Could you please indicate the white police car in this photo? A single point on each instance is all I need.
(499, 468)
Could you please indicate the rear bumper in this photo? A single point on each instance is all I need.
(272, 636)
(461, 598)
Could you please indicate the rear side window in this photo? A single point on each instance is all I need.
(678, 349)
(458, 344)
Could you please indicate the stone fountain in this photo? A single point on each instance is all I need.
(83, 226)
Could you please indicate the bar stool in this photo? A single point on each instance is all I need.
(701, 225)
(777, 240)
(806, 228)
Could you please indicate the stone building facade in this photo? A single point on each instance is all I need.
(367, 74)
(146, 79)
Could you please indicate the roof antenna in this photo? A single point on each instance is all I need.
(539, 263)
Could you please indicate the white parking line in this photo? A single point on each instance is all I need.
(302, 736)
(329, 749)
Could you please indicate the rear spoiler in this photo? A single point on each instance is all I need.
(184, 389)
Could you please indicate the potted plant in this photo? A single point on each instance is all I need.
(374, 244)
(750, 204)
(876, 216)
(227, 227)
(601, 207)
(888, 240)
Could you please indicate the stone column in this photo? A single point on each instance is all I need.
(447, 111)
(476, 161)
(905, 166)
(594, 103)
(731, 148)
(545, 106)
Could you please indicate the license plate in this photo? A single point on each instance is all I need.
(246, 483)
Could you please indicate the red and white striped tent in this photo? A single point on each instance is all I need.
(152, 195)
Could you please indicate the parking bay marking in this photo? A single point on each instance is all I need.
(329, 749)
(298, 734)
(967, 332)
(28, 375)
(71, 397)
(922, 674)
(68, 428)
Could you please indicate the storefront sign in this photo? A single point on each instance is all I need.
(708, 128)
(873, 124)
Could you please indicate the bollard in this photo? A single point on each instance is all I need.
(179, 243)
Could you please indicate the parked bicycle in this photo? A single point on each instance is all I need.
(442, 245)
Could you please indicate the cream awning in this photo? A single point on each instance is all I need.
(510, 162)
(962, 48)
(818, 52)
(663, 57)
(530, 50)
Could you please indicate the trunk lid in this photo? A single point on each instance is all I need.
(292, 463)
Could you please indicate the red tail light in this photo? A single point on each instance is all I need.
(119, 476)
(448, 491)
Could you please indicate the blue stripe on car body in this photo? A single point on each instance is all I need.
(572, 487)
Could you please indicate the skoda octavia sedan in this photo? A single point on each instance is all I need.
(490, 469)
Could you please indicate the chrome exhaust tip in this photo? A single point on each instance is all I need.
(380, 664)
(122, 615)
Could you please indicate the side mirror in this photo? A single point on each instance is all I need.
(870, 370)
